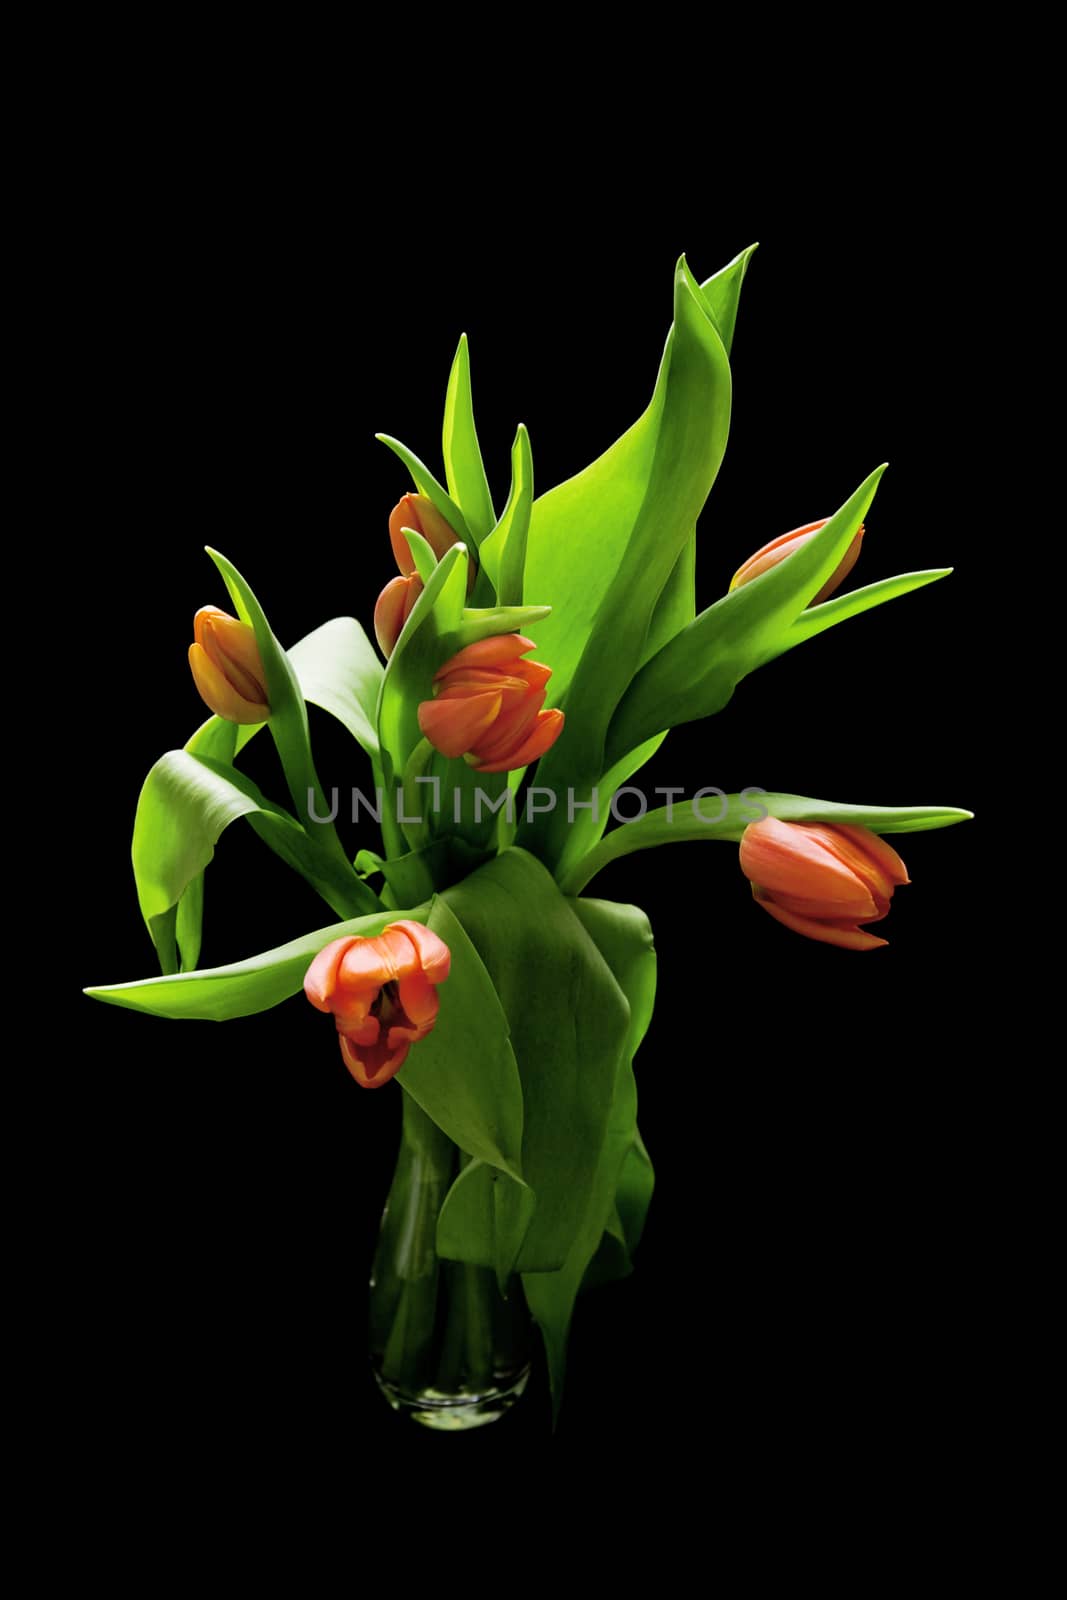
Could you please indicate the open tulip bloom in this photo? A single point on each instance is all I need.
(559, 630)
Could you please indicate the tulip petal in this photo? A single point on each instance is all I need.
(882, 851)
(510, 729)
(418, 999)
(792, 859)
(775, 550)
(403, 515)
(320, 981)
(841, 571)
(546, 731)
(837, 933)
(453, 726)
(489, 652)
(232, 646)
(365, 966)
(855, 856)
(395, 605)
(373, 1066)
(219, 695)
(434, 955)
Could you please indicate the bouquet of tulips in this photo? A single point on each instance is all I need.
(464, 955)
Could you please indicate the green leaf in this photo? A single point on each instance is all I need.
(580, 529)
(484, 1220)
(676, 606)
(567, 1019)
(690, 440)
(816, 619)
(288, 718)
(463, 1075)
(712, 818)
(337, 668)
(695, 674)
(636, 1184)
(623, 936)
(487, 621)
(242, 988)
(428, 640)
(427, 484)
(185, 804)
(467, 483)
(503, 554)
(722, 293)
(421, 553)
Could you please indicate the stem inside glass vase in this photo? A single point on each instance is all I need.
(448, 1349)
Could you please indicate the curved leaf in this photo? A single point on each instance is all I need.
(186, 802)
(695, 674)
(428, 485)
(464, 1075)
(337, 669)
(624, 939)
(241, 988)
(580, 529)
(670, 825)
(689, 443)
(567, 1018)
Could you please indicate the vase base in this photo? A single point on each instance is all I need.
(453, 1412)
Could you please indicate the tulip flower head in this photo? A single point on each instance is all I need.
(824, 881)
(227, 668)
(488, 706)
(769, 555)
(419, 512)
(395, 605)
(382, 993)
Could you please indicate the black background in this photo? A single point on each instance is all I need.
(247, 318)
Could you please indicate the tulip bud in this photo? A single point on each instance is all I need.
(394, 607)
(227, 667)
(382, 993)
(769, 555)
(419, 512)
(488, 706)
(822, 880)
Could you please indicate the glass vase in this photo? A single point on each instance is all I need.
(448, 1349)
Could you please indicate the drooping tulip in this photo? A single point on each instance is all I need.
(382, 993)
(488, 706)
(395, 605)
(822, 880)
(769, 555)
(227, 668)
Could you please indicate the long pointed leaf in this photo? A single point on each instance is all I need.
(688, 450)
(695, 674)
(464, 469)
(503, 554)
(816, 619)
(428, 485)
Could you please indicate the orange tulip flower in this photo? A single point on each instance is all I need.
(383, 994)
(419, 512)
(395, 605)
(488, 706)
(822, 880)
(227, 668)
(769, 555)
